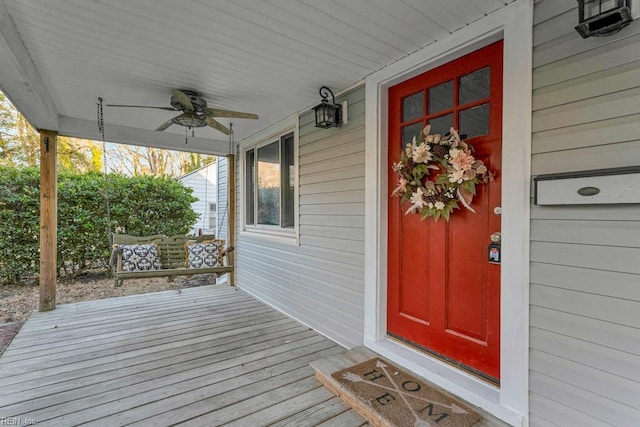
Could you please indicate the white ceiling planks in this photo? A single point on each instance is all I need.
(268, 57)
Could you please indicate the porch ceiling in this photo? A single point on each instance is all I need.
(268, 57)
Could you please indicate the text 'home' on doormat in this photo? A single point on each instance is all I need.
(401, 398)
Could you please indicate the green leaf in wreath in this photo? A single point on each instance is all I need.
(442, 179)
(469, 186)
(424, 213)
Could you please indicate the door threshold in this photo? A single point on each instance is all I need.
(467, 386)
(444, 359)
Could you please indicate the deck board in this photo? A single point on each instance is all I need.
(203, 356)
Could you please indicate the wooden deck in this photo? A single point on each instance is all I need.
(201, 357)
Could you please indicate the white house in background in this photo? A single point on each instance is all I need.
(203, 182)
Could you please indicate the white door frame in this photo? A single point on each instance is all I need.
(514, 24)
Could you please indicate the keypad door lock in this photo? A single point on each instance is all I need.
(494, 253)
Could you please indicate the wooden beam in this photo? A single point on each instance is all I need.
(78, 128)
(48, 219)
(231, 169)
(20, 80)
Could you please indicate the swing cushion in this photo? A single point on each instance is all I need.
(140, 257)
(206, 254)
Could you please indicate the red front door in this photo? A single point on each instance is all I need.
(443, 294)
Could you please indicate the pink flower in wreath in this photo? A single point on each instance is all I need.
(461, 160)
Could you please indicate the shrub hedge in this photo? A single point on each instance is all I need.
(141, 205)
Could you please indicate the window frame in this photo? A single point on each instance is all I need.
(272, 134)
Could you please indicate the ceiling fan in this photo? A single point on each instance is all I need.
(195, 112)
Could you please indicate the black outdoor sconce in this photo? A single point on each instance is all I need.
(328, 114)
(603, 17)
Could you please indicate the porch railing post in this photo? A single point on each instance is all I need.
(231, 168)
(48, 218)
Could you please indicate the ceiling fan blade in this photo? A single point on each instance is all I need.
(165, 125)
(183, 99)
(215, 112)
(141, 106)
(217, 125)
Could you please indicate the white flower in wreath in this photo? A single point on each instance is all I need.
(439, 205)
(421, 153)
(417, 198)
(401, 188)
(456, 176)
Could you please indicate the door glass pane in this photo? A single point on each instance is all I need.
(441, 97)
(250, 189)
(408, 132)
(475, 86)
(442, 124)
(269, 184)
(288, 181)
(474, 121)
(413, 107)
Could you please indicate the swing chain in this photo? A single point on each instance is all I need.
(100, 118)
(100, 112)
(230, 151)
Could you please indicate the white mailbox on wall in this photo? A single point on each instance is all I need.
(594, 187)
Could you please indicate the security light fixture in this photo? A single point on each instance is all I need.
(603, 17)
(328, 114)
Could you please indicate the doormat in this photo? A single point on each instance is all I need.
(401, 398)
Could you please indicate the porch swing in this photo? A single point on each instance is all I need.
(135, 257)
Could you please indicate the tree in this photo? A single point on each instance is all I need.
(20, 144)
(136, 161)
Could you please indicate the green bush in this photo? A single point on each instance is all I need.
(142, 205)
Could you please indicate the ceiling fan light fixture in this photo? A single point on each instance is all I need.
(189, 120)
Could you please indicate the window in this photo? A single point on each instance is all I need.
(270, 185)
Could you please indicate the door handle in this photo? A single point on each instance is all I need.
(496, 237)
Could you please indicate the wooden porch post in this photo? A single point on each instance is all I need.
(231, 169)
(48, 219)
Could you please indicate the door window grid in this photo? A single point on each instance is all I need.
(466, 110)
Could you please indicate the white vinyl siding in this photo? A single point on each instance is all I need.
(320, 281)
(203, 184)
(585, 269)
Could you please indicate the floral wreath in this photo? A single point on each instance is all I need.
(437, 195)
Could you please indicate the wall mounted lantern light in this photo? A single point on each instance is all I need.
(603, 17)
(328, 114)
